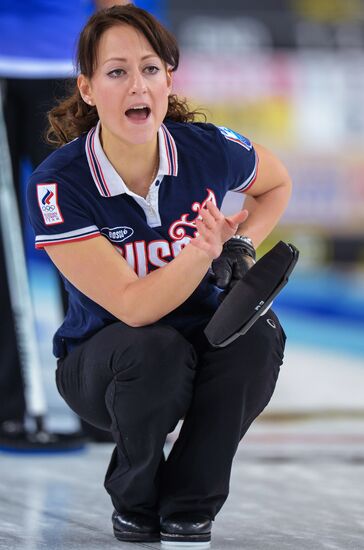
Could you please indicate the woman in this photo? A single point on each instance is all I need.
(128, 210)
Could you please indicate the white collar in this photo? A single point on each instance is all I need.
(106, 178)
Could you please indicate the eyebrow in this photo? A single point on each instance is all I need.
(125, 60)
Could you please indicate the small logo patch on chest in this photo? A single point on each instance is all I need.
(117, 234)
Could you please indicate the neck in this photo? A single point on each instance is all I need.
(137, 165)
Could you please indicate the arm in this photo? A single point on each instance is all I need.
(265, 201)
(97, 269)
(268, 197)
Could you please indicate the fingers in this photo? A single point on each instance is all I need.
(212, 224)
(202, 228)
(222, 273)
(214, 211)
(214, 229)
(208, 218)
(238, 218)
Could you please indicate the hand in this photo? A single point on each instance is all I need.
(236, 259)
(214, 229)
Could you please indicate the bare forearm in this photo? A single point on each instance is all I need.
(165, 289)
(98, 271)
(264, 212)
(150, 298)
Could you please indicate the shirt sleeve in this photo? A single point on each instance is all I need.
(58, 214)
(241, 158)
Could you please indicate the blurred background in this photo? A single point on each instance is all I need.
(287, 74)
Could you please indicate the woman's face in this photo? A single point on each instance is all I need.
(129, 87)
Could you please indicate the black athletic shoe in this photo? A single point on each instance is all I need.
(132, 527)
(186, 530)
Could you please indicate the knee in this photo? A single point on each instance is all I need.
(268, 340)
(169, 359)
(255, 354)
(265, 341)
(159, 356)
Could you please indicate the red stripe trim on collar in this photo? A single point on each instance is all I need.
(173, 149)
(174, 153)
(166, 148)
(108, 194)
(92, 163)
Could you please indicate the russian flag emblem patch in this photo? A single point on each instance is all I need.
(47, 195)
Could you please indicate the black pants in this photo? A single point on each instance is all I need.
(26, 102)
(139, 382)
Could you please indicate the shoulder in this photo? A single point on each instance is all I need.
(193, 132)
(231, 136)
(200, 135)
(64, 164)
(198, 146)
(207, 134)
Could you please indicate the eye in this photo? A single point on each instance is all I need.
(151, 69)
(115, 73)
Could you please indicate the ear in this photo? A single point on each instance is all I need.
(84, 86)
(170, 75)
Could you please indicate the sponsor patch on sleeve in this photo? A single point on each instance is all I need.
(47, 194)
(234, 136)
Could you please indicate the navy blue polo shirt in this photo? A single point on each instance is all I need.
(76, 194)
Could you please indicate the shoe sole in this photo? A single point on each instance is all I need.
(183, 541)
(129, 536)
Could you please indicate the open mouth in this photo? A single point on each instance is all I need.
(138, 113)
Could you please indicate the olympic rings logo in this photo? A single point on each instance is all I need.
(48, 208)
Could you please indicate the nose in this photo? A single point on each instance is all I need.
(137, 85)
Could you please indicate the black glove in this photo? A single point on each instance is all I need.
(236, 258)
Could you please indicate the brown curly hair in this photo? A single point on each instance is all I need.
(72, 116)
